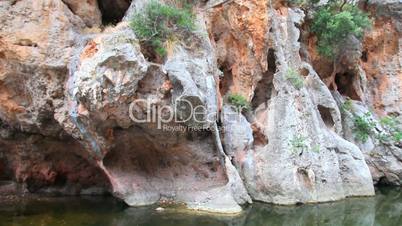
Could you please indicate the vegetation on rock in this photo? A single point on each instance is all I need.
(239, 102)
(302, 3)
(295, 78)
(298, 143)
(363, 126)
(157, 23)
(335, 22)
(392, 125)
(346, 106)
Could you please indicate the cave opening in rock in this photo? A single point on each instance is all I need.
(113, 11)
(35, 184)
(146, 161)
(383, 181)
(226, 81)
(345, 84)
(259, 137)
(264, 87)
(263, 91)
(326, 116)
(364, 56)
(271, 58)
(60, 181)
(5, 172)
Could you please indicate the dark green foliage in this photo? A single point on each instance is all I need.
(392, 125)
(335, 22)
(157, 23)
(363, 126)
(397, 136)
(239, 102)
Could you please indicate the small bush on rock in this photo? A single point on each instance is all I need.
(363, 126)
(298, 143)
(392, 125)
(239, 102)
(294, 78)
(157, 23)
(347, 106)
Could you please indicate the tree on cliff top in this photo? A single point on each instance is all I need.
(333, 24)
(157, 23)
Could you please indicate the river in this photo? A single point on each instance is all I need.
(385, 209)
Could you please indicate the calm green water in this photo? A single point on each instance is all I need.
(384, 210)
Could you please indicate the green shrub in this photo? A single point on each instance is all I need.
(157, 23)
(391, 124)
(298, 143)
(335, 22)
(397, 136)
(294, 78)
(363, 126)
(347, 106)
(389, 121)
(383, 138)
(239, 102)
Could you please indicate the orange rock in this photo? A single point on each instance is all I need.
(239, 31)
(89, 50)
(381, 62)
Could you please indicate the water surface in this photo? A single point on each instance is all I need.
(385, 209)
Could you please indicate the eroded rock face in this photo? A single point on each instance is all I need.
(69, 125)
(373, 84)
(145, 163)
(308, 154)
(381, 59)
(382, 67)
(240, 42)
(55, 166)
(383, 155)
(33, 62)
(88, 11)
(34, 54)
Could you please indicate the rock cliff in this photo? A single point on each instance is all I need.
(86, 109)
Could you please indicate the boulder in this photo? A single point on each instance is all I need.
(87, 10)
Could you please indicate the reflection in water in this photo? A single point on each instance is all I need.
(384, 210)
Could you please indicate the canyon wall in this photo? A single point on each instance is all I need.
(71, 71)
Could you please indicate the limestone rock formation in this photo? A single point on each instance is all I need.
(304, 147)
(179, 166)
(373, 84)
(88, 111)
(34, 54)
(381, 58)
(34, 57)
(383, 155)
(88, 11)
